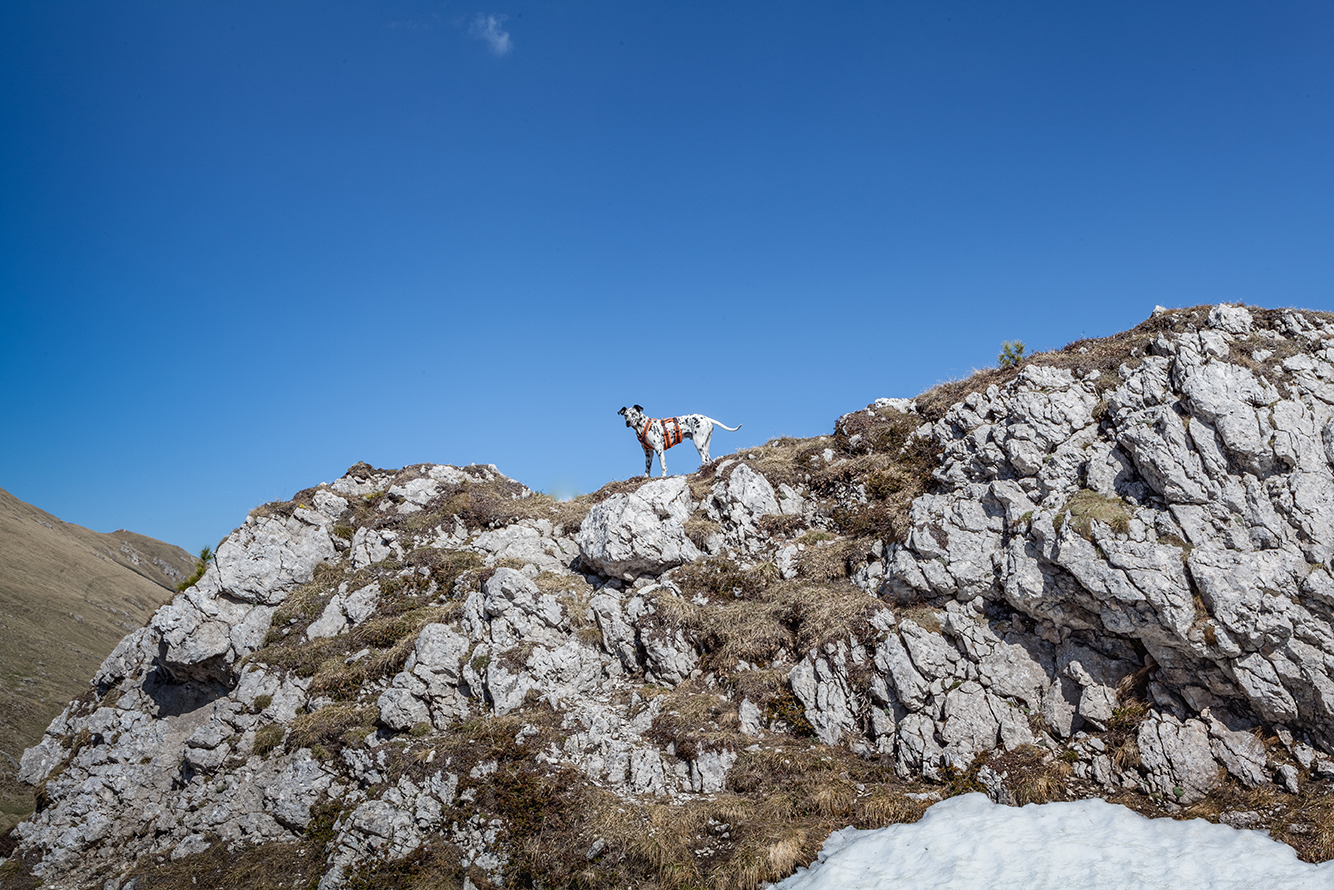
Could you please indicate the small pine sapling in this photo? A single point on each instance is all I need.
(1012, 354)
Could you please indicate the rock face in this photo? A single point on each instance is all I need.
(641, 532)
(1182, 507)
(1122, 562)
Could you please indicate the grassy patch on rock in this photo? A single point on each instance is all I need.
(1086, 507)
(272, 866)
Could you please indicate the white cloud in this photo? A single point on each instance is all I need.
(487, 28)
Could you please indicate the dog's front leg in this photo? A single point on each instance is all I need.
(662, 460)
(648, 463)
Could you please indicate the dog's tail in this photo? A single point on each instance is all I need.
(730, 429)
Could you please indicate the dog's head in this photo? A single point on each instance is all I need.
(632, 415)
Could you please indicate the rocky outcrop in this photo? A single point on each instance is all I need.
(1181, 507)
(205, 728)
(1119, 572)
(640, 532)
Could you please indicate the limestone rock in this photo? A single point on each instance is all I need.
(261, 561)
(1178, 758)
(739, 499)
(640, 532)
(1240, 752)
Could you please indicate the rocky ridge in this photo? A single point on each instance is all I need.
(1104, 573)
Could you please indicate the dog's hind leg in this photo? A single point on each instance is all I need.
(702, 446)
(701, 436)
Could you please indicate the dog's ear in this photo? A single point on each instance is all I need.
(622, 411)
(639, 408)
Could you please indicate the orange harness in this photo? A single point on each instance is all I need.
(671, 434)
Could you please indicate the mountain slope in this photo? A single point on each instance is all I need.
(67, 595)
(1104, 573)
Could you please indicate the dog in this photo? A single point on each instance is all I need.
(656, 436)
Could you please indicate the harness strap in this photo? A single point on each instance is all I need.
(671, 433)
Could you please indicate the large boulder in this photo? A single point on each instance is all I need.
(263, 559)
(738, 500)
(640, 532)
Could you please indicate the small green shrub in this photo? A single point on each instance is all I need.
(785, 708)
(201, 565)
(356, 736)
(1012, 354)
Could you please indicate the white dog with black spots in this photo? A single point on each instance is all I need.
(657, 435)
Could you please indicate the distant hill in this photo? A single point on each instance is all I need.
(67, 596)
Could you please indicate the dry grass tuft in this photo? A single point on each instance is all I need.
(694, 720)
(924, 616)
(718, 576)
(783, 461)
(328, 727)
(759, 831)
(1032, 775)
(1086, 507)
(827, 561)
(273, 866)
(699, 530)
(783, 618)
(268, 738)
(879, 469)
(1122, 736)
(1304, 821)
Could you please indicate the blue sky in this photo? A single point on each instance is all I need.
(246, 245)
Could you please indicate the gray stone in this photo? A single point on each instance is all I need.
(892, 658)
(1241, 753)
(371, 546)
(528, 542)
(825, 692)
(263, 559)
(510, 609)
(1286, 776)
(331, 622)
(668, 656)
(1232, 319)
(708, 771)
(1177, 758)
(739, 499)
(640, 532)
(750, 716)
